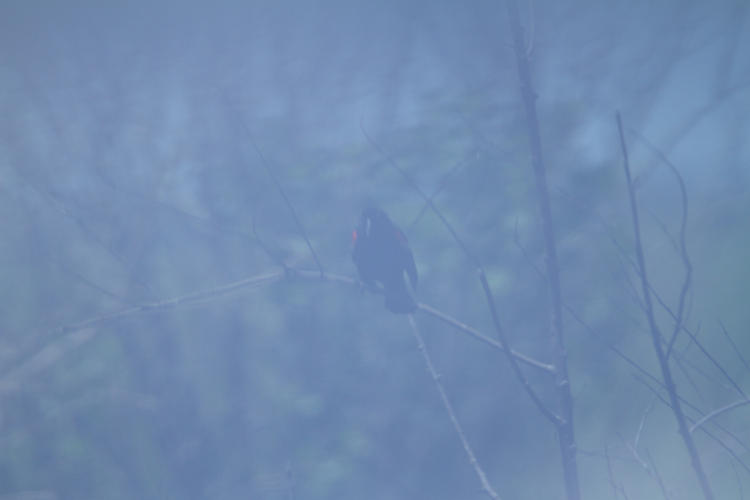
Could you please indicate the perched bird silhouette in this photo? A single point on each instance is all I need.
(382, 255)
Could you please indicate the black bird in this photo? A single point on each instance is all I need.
(382, 254)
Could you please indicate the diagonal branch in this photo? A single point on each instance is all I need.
(70, 336)
(441, 185)
(717, 412)
(462, 327)
(451, 413)
(734, 346)
(555, 419)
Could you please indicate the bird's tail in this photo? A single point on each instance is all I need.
(399, 301)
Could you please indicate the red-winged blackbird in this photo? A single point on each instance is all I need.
(382, 254)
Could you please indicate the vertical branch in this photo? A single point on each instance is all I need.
(565, 429)
(656, 336)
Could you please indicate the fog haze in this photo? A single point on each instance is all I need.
(165, 168)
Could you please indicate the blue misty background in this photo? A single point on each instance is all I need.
(128, 176)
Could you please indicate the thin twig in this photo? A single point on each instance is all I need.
(530, 41)
(739, 481)
(716, 363)
(721, 443)
(45, 357)
(734, 346)
(633, 452)
(657, 476)
(441, 184)
(642, 424)
(719, 411)
(451, 413)
(682, 364)
(266, 249)
(288, 202)
(525, 252)
(700, 346)
(655, 380)
(610, 473)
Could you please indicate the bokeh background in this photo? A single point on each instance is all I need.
(130, 174)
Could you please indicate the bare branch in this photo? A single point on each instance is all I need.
(721, 443)
(734, 346)
(719, 411)
(656, 336)
(71, 331)
(566, 429)
(715, 363)
(441, 184)
(451, 413)
(610, 474)
(555, 419)
(700, 346)
(657, 476)
(655, 380)
(547, 368)
(739, 481)
(288, 203)
(637, 438)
